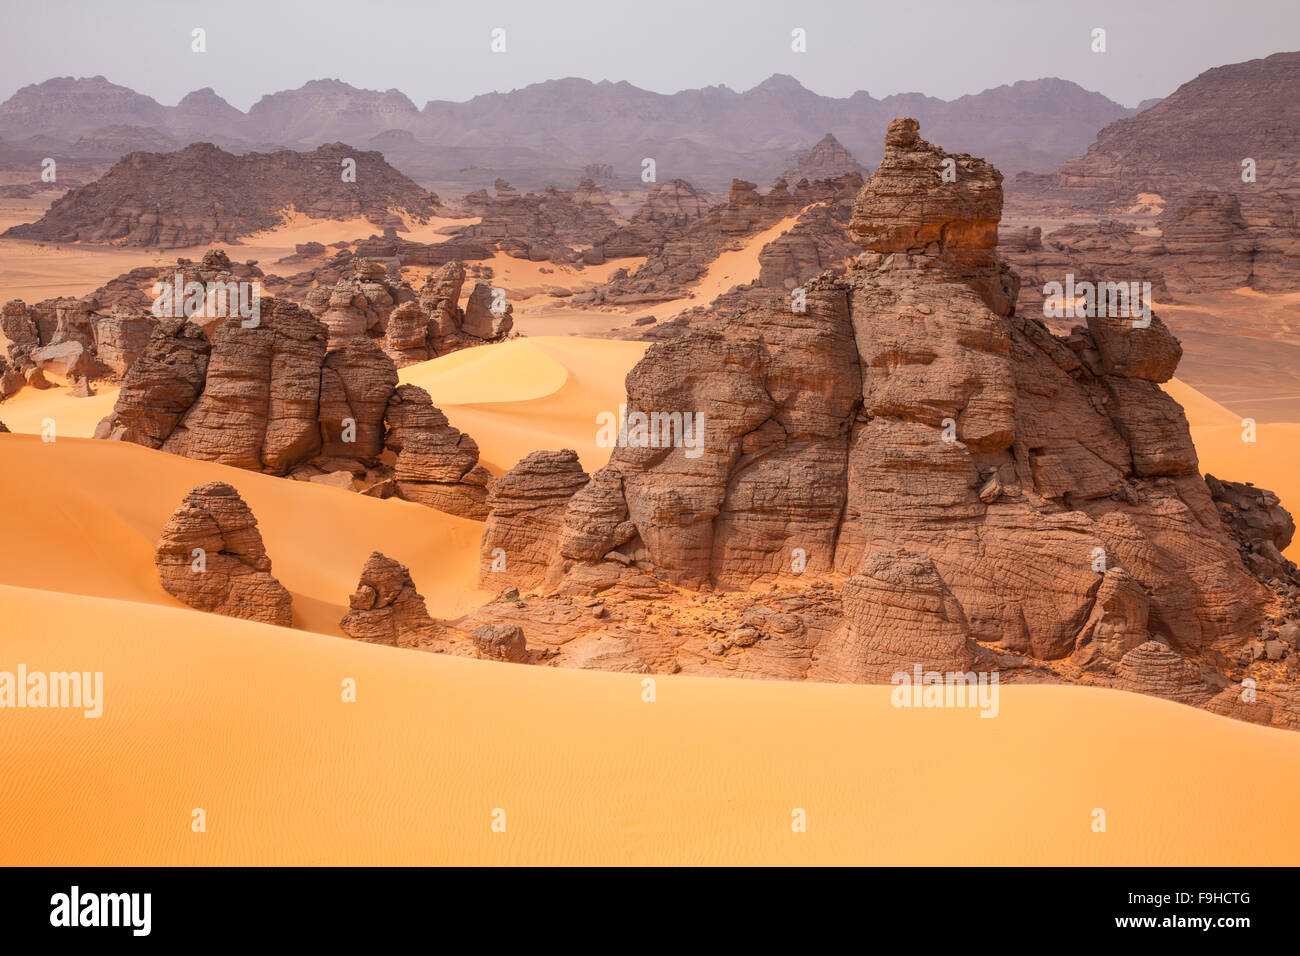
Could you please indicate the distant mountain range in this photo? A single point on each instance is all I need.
(549, 132)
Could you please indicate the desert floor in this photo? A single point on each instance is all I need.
(247, 721)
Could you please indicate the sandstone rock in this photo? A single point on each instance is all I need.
(185, 189)
(1154, 668)
(11, 380)
(525, 513)
(440, 299)
(261, 398)
(871, 422)
(1260, 526)
(18, 334)
(386, 608)
(826, 160)
(160, 386)
(407, 338)
(486, 315)
(356, 381)
(335, 479)
(211, 557)
(898, 613)
(1118, 622)
(121, 337)
(501, 642)
(437, 465)
(1150, 352)
(67, 360)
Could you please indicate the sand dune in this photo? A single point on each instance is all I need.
(29, 408)
(246, 722)
(83, 516)
(1271, 461)
(529, 394)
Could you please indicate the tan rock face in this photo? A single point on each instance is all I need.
(261, 398)
(525, 513)
(922, 199)
(898, 613)
(486, 315)
(386, 608)
(121, 337)
(501, 642)
(270, 397)
(909, 408)
(211, 557)
(161, 385)
(437, 465)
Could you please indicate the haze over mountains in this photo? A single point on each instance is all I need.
(549, 132)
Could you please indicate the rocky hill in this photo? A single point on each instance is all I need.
(551, 132)
(1196, 139)
(202, 194)
(1192, 219)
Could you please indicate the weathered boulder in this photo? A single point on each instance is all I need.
(898, 614)
(437, 465)
(501, 642)
(386, 608)
(211, 557)
(487, 314)
(121, 337)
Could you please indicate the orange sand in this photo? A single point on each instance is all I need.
(83, 516)
(246, 721)
(36, 270)
(529, 394)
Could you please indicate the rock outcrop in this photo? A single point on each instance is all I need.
(437, 464)
(1212, 166)
(825, 160)
(285, 397)
(982, 486)
(501, 642)
(211, 557)
(1260, 526)
(202, 194)
(525, 514)
(386, 608)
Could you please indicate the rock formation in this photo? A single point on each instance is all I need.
(501, 642)
(980, 492)
(211, 557)
(386, 608)
(525, 514)
(828, 159)
(286, 396)
(551, 225)
(161, 385)
(1260, 526)
(437, 465)
(680, 254)
(202, 194)
(1214, 167)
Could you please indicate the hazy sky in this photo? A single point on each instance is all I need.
(441, 50)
